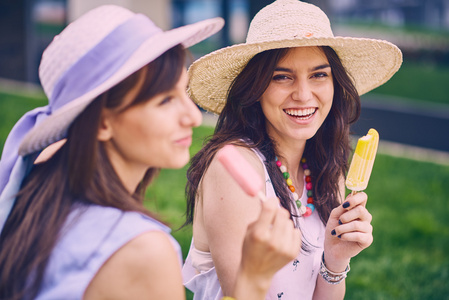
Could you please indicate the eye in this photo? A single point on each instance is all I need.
(280, 77)
(320, 75)
(166, 100)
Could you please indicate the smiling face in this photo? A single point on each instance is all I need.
(299, 96)
(156, 133)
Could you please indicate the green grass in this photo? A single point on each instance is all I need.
(425, 83)
(409, 258)
(12, 107)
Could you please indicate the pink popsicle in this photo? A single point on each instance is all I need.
(242, 172)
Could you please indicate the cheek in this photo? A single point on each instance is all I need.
(138, 130)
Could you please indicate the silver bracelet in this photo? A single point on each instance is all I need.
(332, 277)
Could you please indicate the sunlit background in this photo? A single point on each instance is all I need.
(409, 187)
(419, 28)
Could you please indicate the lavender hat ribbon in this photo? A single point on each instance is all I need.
(91, 70)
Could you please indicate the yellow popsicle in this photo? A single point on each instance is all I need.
(362, 161)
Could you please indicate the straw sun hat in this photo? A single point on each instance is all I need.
(284, 24)
(132, 39)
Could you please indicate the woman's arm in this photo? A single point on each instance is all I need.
(227, 211)
(348, 232)
(147, 267)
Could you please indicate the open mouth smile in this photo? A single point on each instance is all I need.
(301, 114)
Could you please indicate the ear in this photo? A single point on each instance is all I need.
(105, 131)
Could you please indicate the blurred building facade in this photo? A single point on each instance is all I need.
(428, 13)
(27, 26)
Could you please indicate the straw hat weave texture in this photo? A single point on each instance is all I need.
(285, 24)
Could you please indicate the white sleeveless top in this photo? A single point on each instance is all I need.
(296, 280)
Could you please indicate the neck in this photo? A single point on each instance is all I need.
(130, 174)
(290, 154)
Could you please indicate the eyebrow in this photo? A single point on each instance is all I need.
(320, 67)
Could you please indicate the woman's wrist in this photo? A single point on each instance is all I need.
(250, 286)
(333, 264)
(330, 276)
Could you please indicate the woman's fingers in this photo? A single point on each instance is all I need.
(354, 200)
(271, 241)
(354, 225)
(357, 213)
(261, 228)
(284, 233)
(355, 203)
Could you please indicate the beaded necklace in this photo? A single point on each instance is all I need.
(304, 210)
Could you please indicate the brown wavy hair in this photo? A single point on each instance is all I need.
(79, 172)
(242, 118)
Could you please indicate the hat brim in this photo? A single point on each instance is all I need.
(369, 62)
(55, 126)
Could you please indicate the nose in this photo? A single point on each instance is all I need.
(191, 115)
(302, 90)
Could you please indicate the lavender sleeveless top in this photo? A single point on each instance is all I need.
(296, 280)
(89, 237)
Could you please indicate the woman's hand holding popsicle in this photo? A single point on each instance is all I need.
(270, 242)
(349, 229)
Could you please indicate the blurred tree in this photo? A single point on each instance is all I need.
(13, 39)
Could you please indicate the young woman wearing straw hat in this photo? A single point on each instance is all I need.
(286, 97)
(72, 221)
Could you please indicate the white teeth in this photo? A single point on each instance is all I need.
(308, 112)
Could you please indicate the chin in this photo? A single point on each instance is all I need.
(179, 162)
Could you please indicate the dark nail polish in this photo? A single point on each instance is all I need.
(339, 236)
(346, 204)
(340, 222)
(333, 232)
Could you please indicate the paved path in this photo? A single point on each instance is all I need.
(405, 122)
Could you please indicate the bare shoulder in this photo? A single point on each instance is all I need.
(145, 267)
(224, 202)
(216, 169)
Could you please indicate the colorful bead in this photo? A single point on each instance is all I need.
(308, 212)
(304, 210)
(311, 206)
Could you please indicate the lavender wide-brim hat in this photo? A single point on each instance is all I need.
(90, 56)
(83, 35)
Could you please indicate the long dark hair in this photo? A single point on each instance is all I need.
(242, 118)
(79, 172)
